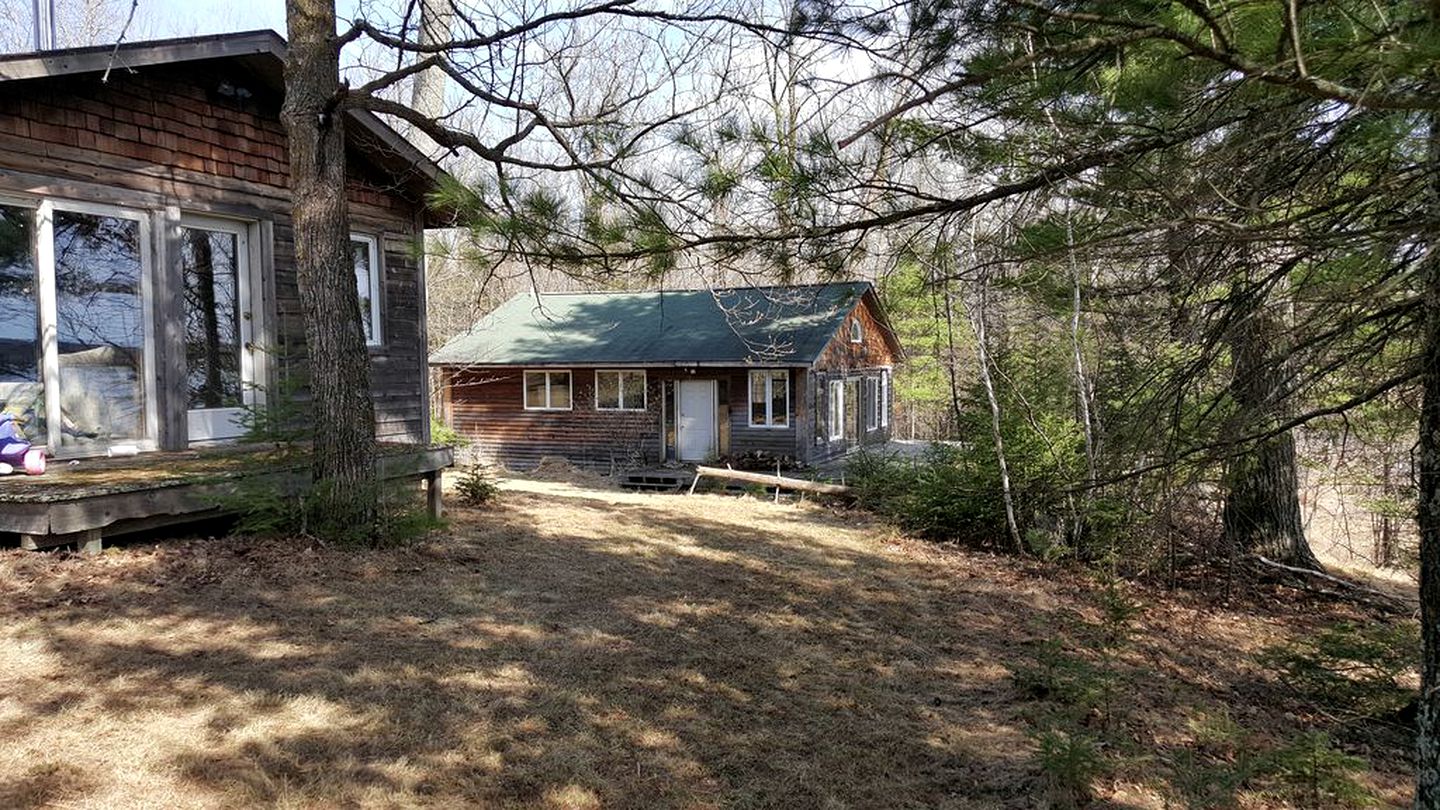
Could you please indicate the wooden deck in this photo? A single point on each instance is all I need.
(82, 502)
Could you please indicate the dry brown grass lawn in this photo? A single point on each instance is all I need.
(573, 648)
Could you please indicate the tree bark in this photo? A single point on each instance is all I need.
(342, 412)
(1427, 770)
(1262, 505)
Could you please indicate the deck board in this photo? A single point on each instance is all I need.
(116, 494)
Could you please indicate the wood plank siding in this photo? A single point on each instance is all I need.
(487, 407)
(845, 360)
(205, 138)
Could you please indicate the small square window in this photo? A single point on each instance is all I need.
(547, 390)
(620, 391)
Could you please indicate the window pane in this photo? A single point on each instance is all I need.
(634, 390)
(779, 398)
(101, 328)
(209, 261)
(607, 389)
(757, 397)
(21, 393)
(360, 250)
(559, 389)
(534, 390)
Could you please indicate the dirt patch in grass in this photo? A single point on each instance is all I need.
(572, 648)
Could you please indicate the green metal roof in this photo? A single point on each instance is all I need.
(759, 325)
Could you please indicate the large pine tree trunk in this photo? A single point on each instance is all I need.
(1262, 505)
(1427, 773)
(343, 413)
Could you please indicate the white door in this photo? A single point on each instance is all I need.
(219, 376)
(695, 420)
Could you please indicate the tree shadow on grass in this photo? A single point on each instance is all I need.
(553, 652)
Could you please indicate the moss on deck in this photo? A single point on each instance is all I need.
(77, 479)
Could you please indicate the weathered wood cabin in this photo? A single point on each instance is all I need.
(148, 291)
(147, 284)
(618, 380)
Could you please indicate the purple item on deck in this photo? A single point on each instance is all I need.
(15, 449)
(13, 444)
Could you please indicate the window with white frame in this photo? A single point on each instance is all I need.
(884, 399)
(365, 253)
(770, 398)
(872, 403)
(857, 332)
(837, 409)
(547, 390)
(76, 311)
(620, 390)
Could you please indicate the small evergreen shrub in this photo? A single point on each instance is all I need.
(1070, 762)
(441, 433)
(476, 487)
(1312, 772)
(1356, 670)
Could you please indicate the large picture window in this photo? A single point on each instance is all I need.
(75, 334)
(770, 398)
(837, 409)
(547, 390)
(100, 325)
(365, 253)
(620, 390)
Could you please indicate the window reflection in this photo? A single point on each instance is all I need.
(21, 392)
(100, 329)
(212, 318)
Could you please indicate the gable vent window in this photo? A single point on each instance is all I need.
(770, 398)
(619, 390)
(857, 333)
(547, 390)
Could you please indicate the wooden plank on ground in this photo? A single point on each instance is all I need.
(770, 480)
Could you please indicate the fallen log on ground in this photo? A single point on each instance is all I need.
(769, 480)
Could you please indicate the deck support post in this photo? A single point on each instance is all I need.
(434, 494)
(88, 542)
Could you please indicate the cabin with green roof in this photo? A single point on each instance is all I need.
(620, 380)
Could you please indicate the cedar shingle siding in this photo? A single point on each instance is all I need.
(205, 137)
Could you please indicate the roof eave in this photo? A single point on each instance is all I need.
(139, 54)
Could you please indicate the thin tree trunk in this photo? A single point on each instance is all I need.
(1082, 385)
(1427, 771)
(977, 323)
(342, 411)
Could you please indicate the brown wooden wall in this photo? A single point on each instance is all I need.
(487, 407)
(842, 360)
(744, 438)
(871, 353)
(167, 139)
